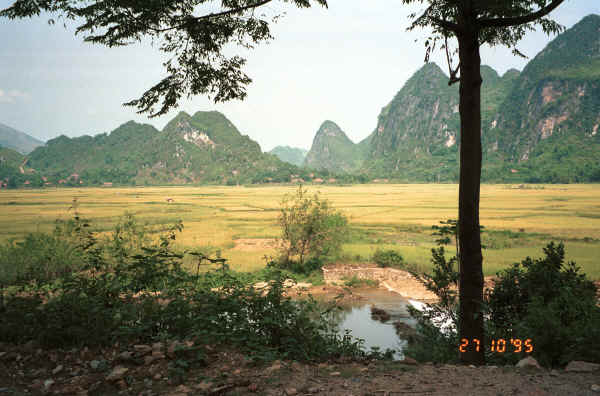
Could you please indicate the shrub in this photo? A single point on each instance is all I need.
(147, 296)
(543, 299)
(550, 302)
(311, 229)
(360, 282)
(388, 258)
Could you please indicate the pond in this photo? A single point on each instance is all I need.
(357, 318)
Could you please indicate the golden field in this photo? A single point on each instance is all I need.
(382, 216)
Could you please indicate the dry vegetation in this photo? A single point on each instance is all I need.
(387, 216)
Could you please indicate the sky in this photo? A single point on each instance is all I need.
(342, 64)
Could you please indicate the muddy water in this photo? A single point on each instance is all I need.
(357, 318)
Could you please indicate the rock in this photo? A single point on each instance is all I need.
(95, 364)
(314, 389)
(204, 386)
(409, 360)
(582, 367)
(289, 283)
(335, 374)
(142, 349)
(117, 373)
(157, 376)
(291, 391)
(275, 366)
(595, 388)
(48, 383)
(253, 387)
(57, 369)
(260, 285)
(528, 362)
(125, 356)
(157, 355)
(183, 389)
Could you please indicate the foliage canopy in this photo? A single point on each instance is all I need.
(193, 33)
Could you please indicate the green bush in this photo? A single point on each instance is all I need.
(311, 230)
(551, 303)
(360, 282)
(388, 258)
(146, 295)
(545, 300)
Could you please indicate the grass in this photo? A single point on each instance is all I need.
(399, 217)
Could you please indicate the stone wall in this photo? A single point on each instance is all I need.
(394, 280)
(373, 273)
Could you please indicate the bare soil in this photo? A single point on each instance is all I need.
(129, 370)
(254, 244)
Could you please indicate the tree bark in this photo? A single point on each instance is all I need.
(470, 258)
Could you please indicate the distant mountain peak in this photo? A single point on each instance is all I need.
(330, 128)
(17, 140)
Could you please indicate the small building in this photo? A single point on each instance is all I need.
(27, 182)
(331, 180)
(514, 171)
(318, 180)
(107, 184)
(62, 181)
(74, 176)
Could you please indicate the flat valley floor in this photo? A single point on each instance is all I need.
(241, 222)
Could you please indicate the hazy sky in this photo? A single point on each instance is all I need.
(343, 64)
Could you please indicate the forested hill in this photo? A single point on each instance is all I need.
(540, 125)
(547, 128)
(289, 154)
(203, 148)
(333, 150)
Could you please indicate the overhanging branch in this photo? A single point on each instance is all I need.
(506, 22)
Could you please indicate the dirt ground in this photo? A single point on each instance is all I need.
(149, 370)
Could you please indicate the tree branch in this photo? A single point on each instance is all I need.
(506, 22)
(446, 24)
(213, 15)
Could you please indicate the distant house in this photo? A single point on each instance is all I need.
(318, 180)
(27, 182)
(62, 181)
(297, 180)
(514, 171)
(107, 184)
(74, 176)
(45, 184)
(44, 178)
(332, 180)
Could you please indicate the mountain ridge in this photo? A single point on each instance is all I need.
(17, 140)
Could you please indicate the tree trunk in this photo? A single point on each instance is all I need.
(470, 259)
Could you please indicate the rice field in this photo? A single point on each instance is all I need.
(519, 220)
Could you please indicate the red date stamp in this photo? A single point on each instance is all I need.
(500, 345)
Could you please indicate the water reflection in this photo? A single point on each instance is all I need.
(357, 318)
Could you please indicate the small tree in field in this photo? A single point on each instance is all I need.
(310, 227)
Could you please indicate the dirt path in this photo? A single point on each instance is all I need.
(149, 370)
